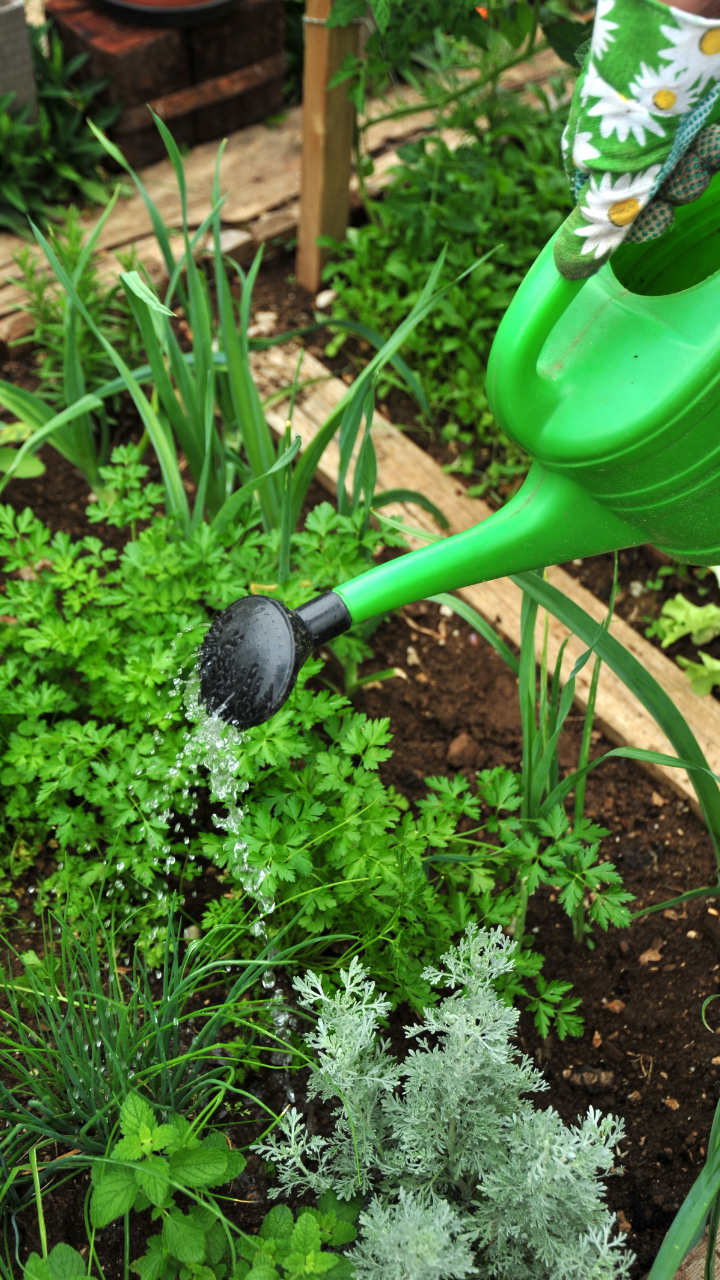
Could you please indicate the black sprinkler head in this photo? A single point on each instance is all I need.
(251, 656)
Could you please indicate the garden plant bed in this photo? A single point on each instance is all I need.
(644, 1054)
(650, 1061)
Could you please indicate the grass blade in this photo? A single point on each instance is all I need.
(388, 496)
(175, 496)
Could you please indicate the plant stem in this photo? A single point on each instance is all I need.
(709, 1273)
(444, 100)
(126, 1271)
(519, 923)
(38, 1202)
(578, 922)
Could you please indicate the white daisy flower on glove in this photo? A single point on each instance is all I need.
(695, 55)
(617, 113)
(583, 151)
(611, 208)
(663, 93)
(602, 35)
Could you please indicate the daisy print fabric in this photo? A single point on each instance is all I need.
(650, 80)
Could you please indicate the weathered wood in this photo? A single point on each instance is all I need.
(328, 118)
(401, 464)
(693, 1266)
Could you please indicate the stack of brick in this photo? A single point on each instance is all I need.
(203, 81)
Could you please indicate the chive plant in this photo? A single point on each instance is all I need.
(102, 1030)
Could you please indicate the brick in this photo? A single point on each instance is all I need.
(140, 62)
(252, 31)
(144, 64)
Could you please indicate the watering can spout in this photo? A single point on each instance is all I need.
(550, 519)
(251, 655)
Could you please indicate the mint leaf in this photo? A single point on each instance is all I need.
(66, 1264)
(342, 1233)
(201, 1167)
(306, 1236)
(128, 1149)
(278, 1224)
(36, 1268)
(134, 1113)
(113, 1196)
(152, 1265)
(164, 1136)
(153, 1177)
(183, 1238)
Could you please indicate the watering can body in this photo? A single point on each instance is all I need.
(614, 383)
(612, 386)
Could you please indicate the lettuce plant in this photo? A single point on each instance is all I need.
(459, 1171)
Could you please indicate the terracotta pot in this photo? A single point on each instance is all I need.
(166, 13)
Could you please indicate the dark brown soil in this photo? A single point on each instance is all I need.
(656, 1055)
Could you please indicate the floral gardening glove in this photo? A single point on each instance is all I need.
(638, 140)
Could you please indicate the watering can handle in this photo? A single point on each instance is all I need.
(515, 389)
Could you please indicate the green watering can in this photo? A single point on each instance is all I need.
(612, 385)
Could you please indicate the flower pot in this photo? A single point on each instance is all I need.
(166, 13)
(16, 68)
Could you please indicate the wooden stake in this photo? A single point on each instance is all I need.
(328, 119)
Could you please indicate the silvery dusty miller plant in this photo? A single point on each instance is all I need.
(460, 1174)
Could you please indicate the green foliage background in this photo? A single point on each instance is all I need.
(502, 189)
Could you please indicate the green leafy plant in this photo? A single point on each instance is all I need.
(679, 617)
(47, 306)
(82, 1032)
(98, 761)
(196, 391)
(289, 1249)
(502, 191)
(150, 1164)
(400, 41)
(703, 675)
(52, 159)
(63, 1263)
(457, 1169)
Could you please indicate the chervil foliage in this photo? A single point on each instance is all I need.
(96, 753)
(96, 647)
(459, 1169)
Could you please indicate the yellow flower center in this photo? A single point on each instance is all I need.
(665, 99)
(710, 43)
(622, 213)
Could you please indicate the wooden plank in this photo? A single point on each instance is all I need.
(208, 93)
(260, 172)
(693, 1265)
(401, 464)
(328, 119)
